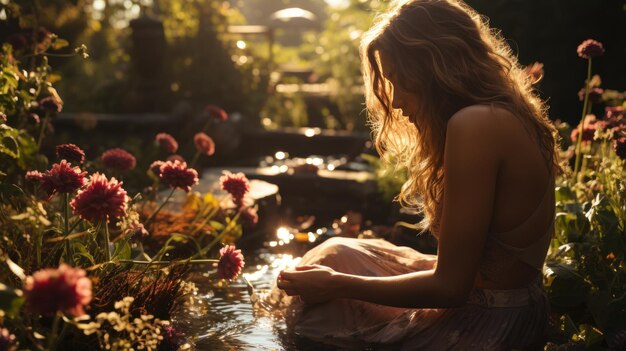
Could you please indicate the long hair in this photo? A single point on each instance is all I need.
(444, 53)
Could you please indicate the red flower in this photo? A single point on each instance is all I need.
(231, 263)
(7, 340)
(595, 95)
(590, 48)
(204, 144)
(619, 145)
(216, 112)
(237, 185)
(71, 152)
(62, 178)
(137, 233)
(118, 159)
(51, 103)
(588, 133)
(177, 175)
(34, 176)
(167, 142)
(100, 200)
(64, 289)
(250, 216)
(173, 158)
(614, 111)
(33, 117)
(155, 167)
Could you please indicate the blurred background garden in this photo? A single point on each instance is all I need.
(242, 123)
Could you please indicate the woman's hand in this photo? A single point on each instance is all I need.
(314, 284)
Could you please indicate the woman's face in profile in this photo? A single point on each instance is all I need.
(401, 99)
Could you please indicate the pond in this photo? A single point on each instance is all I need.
(222, 318)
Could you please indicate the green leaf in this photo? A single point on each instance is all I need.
(11, 300)
(10, 147)
(564, 194)
(59, 44)
(10, 190)
(566, 288)
(122, 250)
(81, 250)
(216, 225)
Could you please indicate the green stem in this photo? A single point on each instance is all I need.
(42, 130)
(153, 215)
(107, 251)
(217, 238)
(204, 222)
(39, 244)
(47, 54)
(165, 263)
(582, 123)
(53, 332)
(194, 159)
(75, 225)
(66, 211)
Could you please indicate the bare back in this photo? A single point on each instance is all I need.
(523, 208)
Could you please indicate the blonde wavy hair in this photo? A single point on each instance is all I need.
(446, 54)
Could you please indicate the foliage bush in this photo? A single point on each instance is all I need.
(70, 245)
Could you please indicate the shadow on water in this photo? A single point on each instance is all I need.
(223, 318)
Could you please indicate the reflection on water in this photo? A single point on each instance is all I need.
(222, 318)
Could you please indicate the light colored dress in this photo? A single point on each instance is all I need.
(489, 320)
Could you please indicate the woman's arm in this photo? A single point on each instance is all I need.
(471, 162)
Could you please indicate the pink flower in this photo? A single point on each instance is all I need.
(51, 103)
(216, 112)
(595, 95)
(167, 142)
(619, 145)
(118, 159)
(34, 176)
(237, 185)
(33, 117)
(231, 263)
(588, 133)
(3, 117)
(71, 152)
(137, 233)
(590, 48)
(7, 340)
(177, 175)
(101, 200)
(614, 111)
(64, 289)
(250, 216)
(155, 167)
(204, 144)
(172, 338)
(173, 158)
(62, 178)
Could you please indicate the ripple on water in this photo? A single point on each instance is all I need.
(224, 319)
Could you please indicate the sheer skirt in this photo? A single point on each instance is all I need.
(489, 320)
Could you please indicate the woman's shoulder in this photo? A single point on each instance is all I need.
(489, 121)
(477, 114)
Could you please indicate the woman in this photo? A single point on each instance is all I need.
(446, 97)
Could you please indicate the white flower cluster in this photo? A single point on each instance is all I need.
(118, 330)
